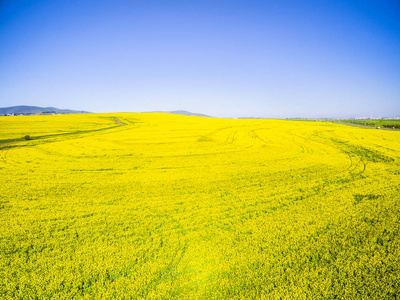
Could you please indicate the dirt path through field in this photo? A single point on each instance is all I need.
(9, 144)
(118, 121)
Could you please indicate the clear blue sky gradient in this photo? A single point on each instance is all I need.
(275, 59)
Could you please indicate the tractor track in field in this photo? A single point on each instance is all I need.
(4, 150)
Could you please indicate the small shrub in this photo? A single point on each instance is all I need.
(27, 137)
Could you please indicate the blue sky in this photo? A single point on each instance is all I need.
(274, 59)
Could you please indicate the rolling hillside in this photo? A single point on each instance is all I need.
(163, 206)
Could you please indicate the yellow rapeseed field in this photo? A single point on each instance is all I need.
(162, 206)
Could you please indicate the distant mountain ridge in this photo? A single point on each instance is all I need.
(37, 110)
(33, 110)
(183, 112)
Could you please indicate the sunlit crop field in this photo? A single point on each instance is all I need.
(159, 206)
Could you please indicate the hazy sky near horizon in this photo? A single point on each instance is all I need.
(275, 59)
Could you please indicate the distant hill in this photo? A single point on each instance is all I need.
(36, 110)
(183, 112)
